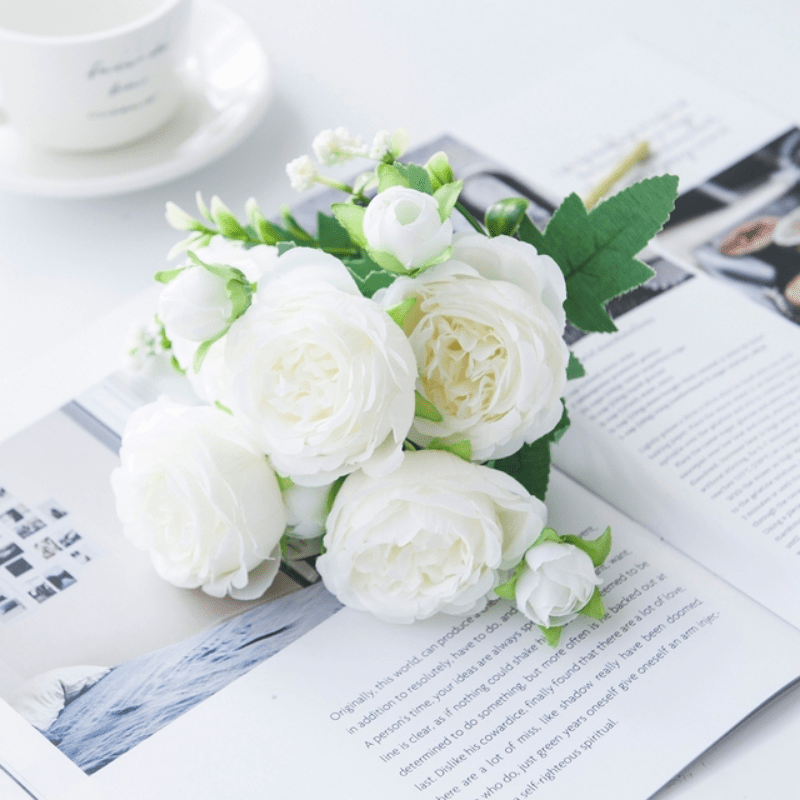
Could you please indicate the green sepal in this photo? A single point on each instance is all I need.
(424, 409)
(202, 351)
(333, 236)
(351, 218)
(399, 312)
(389, 175)
(176, 366)
(284, 545)
(596, 250)
(284, 482)
(443, 256)
(167, 275)
(264, 230)
(462, 449)
(594, 608)
(388, 262)
(508, 590)
(227, 223)
(368, 275)
(552, 635)
(597, 549)
(447, 197)
(223, 407)
(574, 368)
(547, 535)
(298, 233)
(237, 287)
(334, 490)
(416, 177)
(504, 217)
(439, 170)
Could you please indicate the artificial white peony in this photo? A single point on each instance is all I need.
(558, 580)
(487, 335)
(406, 224)
(433, 536)
(322, 378)
(194, 494)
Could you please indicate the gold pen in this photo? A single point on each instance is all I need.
(638, 154)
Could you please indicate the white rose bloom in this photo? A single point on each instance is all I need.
(488, 341)
(195, 305)
(559, 579)
(193, 493)
(406, 223)
(434, 536)
(322, 377)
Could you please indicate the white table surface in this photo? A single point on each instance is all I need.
(73, 270)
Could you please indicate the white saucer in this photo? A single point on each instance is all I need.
(229, 86)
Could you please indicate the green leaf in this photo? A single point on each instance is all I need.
(447, 197)
(368, 275)
(299, 234)
(399, 312)
(285, 247)
(462, 449)
(167, 275)
(351, 218)
(596, 249)
(552, 635)
(505, 216)
(424, 409)
(594, 608)
(528, 232)
(417, 177)
(597, 549)
(439, 170)
(333, 236)
(574, 368)
(530, 465)
(389, 175)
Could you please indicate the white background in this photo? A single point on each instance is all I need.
(70, 269)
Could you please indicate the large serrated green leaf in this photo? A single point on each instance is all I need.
(416, 176)
(596, 250)
(368, 275)
(333, 236)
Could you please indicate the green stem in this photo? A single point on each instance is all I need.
(469, 218)
(334, 184)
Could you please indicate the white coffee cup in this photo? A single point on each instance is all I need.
(81, 75)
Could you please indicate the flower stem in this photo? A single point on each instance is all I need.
(469, 218)
(334, 184)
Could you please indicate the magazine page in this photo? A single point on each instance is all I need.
(688, 421)
(78, 604)
(477, 706)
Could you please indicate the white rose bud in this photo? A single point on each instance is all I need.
(558, 580)
(487, 336)
(433, 536)
(320, 376)
(406, 224)
(195, 305)
(193, 493)
(253, 261)
(306, 510)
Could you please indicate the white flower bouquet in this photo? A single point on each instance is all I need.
(383, 389)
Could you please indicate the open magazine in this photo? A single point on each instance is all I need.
(116, 684)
